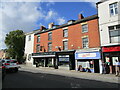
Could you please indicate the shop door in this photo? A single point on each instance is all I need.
(96, 66)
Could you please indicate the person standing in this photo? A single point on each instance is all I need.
(117, 67)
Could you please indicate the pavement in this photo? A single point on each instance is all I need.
(72, 73)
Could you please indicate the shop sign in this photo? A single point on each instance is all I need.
(64, 59)
(111, 49)
(43, 53)
(87, 55)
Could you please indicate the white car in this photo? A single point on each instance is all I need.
(11, 65)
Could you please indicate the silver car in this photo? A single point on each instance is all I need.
(11, 65)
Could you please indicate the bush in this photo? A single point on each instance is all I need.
(50, 65)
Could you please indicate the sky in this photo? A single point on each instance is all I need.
(29, 15)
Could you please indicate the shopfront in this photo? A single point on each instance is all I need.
(88, 61)
(44, 59)
(109, 55)
(58, 60)
(66, 60)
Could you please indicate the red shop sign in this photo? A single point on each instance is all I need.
(111, 49)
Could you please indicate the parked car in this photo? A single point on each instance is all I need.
(3, 72)
(11, 65)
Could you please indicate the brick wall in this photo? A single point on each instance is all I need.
(74, 37)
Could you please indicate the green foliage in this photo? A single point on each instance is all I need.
(15, 42)
(49, 65)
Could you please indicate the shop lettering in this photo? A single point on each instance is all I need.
(87, 55)
(111, 49)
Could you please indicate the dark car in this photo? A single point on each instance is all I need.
(3, 71)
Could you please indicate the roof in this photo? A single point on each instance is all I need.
(28, 33)
(101, 1)
(66, 24)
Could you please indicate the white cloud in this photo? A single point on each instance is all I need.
(18, 16)
(61, 20)
(23, 16)
(50, 15)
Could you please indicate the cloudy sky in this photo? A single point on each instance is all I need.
(28, 15)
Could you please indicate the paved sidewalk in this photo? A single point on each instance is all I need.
(92, 76)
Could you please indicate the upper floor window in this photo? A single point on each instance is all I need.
(50, 36)
(84, 28)
(85, 42)
(37, 47)
(29, 38)
(114, 32)
(65, 33)
(113, 9)
(65, 45)
(38, 39)
(49, 46)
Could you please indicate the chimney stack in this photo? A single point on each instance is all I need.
(50, 25)
(80, 16)
(42, 27)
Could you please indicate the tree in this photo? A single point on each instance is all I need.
(15, 42)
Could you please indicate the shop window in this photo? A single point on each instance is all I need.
(113, 9)
(84, 28)
(114, 33)
(85, 42)
(65, 45)
(65, 33)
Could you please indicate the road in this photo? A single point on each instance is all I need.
(24, 79)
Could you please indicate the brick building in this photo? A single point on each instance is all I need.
(61, 45)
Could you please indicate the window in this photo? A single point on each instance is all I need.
(114, 32)
(38, 39)
(84, 28)
(113, 9)
(85, 42)
(65, 33)
(37, 47)
(49, 46)
(65, 45)
(29, 38)
(50, 36)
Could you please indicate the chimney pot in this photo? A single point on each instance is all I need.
(80, 16)
(50, 25)
(42, 27)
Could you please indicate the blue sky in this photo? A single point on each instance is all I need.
(70, 10)
(28, 16)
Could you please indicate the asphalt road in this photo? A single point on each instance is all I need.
(24, 79)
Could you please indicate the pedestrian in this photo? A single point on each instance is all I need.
(117, 67)
(103, 67)
(80, 68)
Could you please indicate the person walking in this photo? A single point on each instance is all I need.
(117, 67)
(103, 67)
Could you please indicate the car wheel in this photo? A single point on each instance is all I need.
(16, 69)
